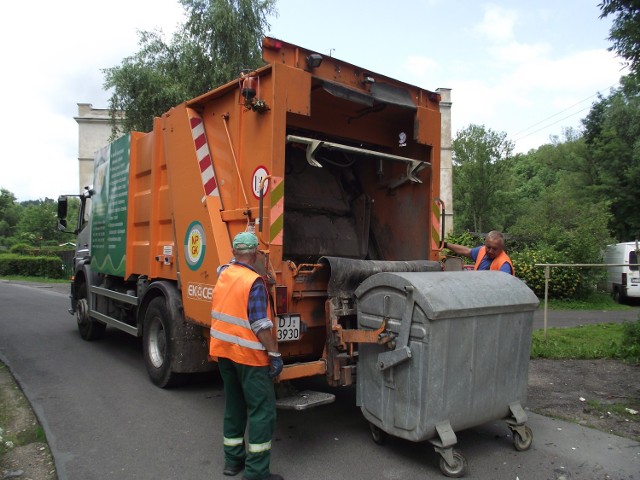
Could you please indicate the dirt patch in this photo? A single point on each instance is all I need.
(24, 454)
(602, 394)
(29, 462)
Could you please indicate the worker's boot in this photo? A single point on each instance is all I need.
(231, 470)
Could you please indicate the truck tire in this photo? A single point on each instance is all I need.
(158, 331)
(89, 328)
(617, 296)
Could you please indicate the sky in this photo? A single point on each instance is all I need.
(528, 69)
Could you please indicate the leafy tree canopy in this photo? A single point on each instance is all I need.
(218, 39)
(478, 161)
(9, 213)
(612, 134)
(625, 31)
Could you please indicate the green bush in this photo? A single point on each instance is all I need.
(630, 348)
(42, 251)
(467, 239)
(21, 248)
(29, 266)
(564, 281)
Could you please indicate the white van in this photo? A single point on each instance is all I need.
(623, 277)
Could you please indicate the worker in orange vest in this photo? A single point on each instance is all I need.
(490, 256)
(248, 359)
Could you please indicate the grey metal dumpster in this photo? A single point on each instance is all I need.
(456, 356)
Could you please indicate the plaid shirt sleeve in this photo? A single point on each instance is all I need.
(257, 309)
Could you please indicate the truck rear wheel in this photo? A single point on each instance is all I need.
(617, 296)
(157, 344)
(89, 328)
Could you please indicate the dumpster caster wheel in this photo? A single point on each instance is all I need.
(522, 439)
(379, 436)
(458, 468)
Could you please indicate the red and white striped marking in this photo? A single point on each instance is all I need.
(204, 157)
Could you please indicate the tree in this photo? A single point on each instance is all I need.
(479, 184)
(9, 213)
(625, 31)
(217, 41)
(558, 202)
(37, 225)
(612, 133)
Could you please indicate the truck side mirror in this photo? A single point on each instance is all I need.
(62, 210)
(62, 213)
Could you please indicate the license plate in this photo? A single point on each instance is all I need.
(288, 328)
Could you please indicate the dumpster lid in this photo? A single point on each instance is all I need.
(457, 294)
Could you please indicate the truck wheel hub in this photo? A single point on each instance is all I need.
(82, 311)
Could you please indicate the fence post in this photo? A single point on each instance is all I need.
(547, 275)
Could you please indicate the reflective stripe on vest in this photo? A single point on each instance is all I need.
(223, 317)
(237, 340)
(259, 447)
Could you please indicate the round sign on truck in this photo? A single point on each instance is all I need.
(258, 175)
(195, 245)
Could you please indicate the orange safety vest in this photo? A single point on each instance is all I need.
(231, 334)
(497, 262)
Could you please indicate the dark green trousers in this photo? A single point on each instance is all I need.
(250, 402)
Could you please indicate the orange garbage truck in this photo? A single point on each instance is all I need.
(337, 171)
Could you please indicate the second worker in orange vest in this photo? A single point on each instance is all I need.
(491, 256)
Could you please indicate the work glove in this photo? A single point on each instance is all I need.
(275, 359)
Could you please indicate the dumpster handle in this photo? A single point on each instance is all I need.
(402, 351)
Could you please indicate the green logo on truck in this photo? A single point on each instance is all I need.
(195, 245)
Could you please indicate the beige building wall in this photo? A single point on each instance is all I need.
(94, 131)
(446, 158)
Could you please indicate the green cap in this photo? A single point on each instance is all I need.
(245, 241)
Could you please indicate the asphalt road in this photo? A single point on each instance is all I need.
(105, 420)
(574, 318)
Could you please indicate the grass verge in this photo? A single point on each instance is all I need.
(602, 340)
(21, 278)
(587, 341)
(627, 409)
(595, 301)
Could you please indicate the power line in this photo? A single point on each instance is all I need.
(551, 124)
(558, 113)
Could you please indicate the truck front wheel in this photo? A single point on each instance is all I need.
(89, 328)
(157, 334)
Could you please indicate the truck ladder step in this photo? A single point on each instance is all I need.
(305, 400)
